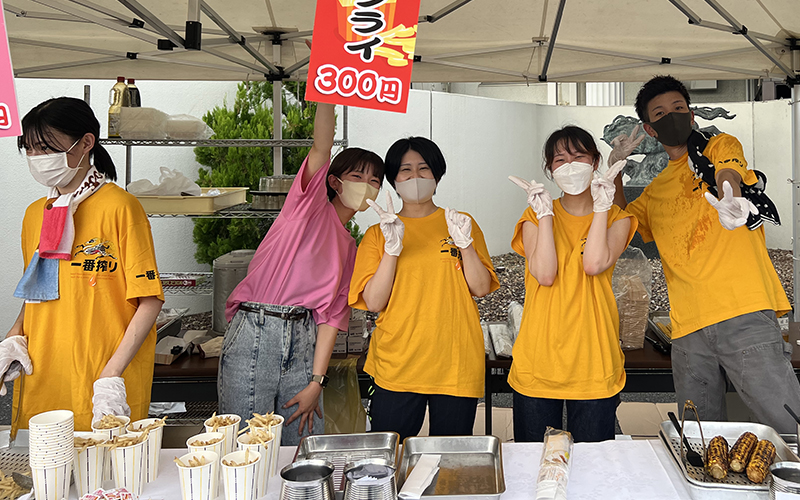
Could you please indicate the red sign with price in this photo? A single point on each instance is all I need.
(363, 53)
(9, 115)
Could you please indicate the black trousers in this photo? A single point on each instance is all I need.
(404, 413)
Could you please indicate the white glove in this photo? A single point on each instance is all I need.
(109, 398)
(733, 211)
(459, 226)
(391, 226)
(603, 187)
(13, 359)
(538, 197)
(623, 145)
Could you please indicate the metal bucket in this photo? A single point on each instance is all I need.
(307, 480)
(785, 478)
(275, 183)
(383, 488)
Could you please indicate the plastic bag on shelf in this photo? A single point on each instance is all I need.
(554, 467)
(187, 127)
(344, 413)
(142, 123)
(501, 340)
(514, 318)
(171, 183)
(631, 284)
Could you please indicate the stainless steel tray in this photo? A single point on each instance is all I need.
(659, 317)
(471, 466)
(14, 456)
(731, 431)
(341, 449)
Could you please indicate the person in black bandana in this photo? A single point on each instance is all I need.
(705, 211)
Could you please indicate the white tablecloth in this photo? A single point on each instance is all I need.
(622, 469)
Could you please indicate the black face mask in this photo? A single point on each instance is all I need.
(673, 128)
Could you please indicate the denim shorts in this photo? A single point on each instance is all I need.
(265, 361)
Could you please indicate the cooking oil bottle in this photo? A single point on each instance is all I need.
(133, 93)
(117, 99)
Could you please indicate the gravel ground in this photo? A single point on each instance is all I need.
(511, 271)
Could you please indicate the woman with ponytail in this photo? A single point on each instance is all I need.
(85, 337)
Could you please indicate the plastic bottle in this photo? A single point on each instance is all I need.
(117, 98)
(133, 94)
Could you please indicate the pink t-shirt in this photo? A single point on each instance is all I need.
(306, 259)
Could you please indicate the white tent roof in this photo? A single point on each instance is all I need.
(481, 40)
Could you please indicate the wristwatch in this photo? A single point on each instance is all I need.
(320, 379)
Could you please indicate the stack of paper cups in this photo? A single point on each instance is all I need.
(129, 467)
(240, 480)
(229, 431)
(277, 431)
(153, 448)
(265, 450)
(199, 483)
(51, 453)
(217, 442)
(109, 434)
(87, 467)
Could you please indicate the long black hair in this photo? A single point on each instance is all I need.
(73, 118)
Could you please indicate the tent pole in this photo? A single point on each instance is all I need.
(552, 42)
(277, 113)
(796, 197)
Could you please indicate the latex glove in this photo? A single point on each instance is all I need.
(733, 210)
(391, 226)
(623, 145)
(538, 197)
(603, 187)
(459, 226)
(13, 359)
(109, 398)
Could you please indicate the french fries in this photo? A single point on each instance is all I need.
(82, 443)
(193, 462)
(9, 490)
(125, 440)
(260, 420)
(155, 425)
(109, 422)
(247, 461)
(215, 422)
(259, 435)
(206, 443)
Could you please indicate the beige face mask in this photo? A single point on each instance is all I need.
(354, 195)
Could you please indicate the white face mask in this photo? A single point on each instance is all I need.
(573, 178)
(354, 195)
(417, 190)
(53, 170)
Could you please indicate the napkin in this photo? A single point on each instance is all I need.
(421, 477)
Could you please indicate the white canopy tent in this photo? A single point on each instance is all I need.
(458, 41)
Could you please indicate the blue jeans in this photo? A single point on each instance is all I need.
(265, 361)
(590, 420)
(404, 413)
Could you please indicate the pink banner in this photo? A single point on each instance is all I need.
(9, 114)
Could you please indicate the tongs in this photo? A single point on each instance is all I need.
(691, 456)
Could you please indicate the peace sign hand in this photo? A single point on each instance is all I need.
(538, 197)
(391, 226)
(733, 210)
(603, 187)
(623, 145)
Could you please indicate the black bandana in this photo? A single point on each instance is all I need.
(704, 170)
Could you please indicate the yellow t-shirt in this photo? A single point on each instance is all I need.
(71, 339)
(568, 342)
(712, 274)
(428, 339)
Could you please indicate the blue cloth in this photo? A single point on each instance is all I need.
(40, 281)
(589, 420)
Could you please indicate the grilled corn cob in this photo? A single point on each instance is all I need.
(759, 463)
(717, 458)
(741, 451)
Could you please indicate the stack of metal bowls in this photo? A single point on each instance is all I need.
(370, 479)
(785, 479)
(271, 192)
(307, 480)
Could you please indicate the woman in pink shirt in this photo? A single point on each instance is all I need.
(285, 314)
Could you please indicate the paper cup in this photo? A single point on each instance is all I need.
(87, 466)
(128, 467)
(241, 482)
(52, 483)
(230, 432)
(199, 483)
(217, 448)
(265, 450)
(153, 448)
(51, 419)
(277, 431)
(110, 433)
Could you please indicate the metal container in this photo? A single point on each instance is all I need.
(785, 478)
(470, 466)
(229, 270)
(276, 183)
(736, 481)
(342, 449)
(263, 200)
(307, 480)
(383, 488)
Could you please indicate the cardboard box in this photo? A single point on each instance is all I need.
(169, 349)
(340, 346)
(643, 420)
(357, 327)
(355, 345)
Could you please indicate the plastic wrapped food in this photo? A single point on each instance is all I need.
(555, 465)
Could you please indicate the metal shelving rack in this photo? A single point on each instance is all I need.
(206, 287)
(241, 211)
